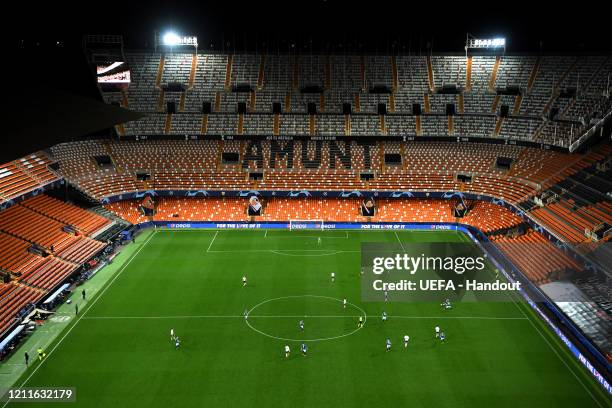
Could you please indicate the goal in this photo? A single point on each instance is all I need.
(306, 224)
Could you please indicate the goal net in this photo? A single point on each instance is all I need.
(306, 224)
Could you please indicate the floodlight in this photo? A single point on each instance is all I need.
(171, 38)
(499, 42)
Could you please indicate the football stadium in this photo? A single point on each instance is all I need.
(291, 224)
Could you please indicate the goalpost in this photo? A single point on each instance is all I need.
(306, 224)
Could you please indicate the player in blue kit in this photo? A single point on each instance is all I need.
(304, 349)
(388, 344)
(442, 337)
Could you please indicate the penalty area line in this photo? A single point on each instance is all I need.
(212, 241)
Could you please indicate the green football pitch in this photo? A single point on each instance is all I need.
(118, 351)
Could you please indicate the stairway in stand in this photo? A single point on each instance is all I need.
(228, 72)
(347, 125)
(240, 126)
(204, 125)
(168, 124)
(493, 78)
(430, 74)
(261, 73)
(276, 129)
(468, 74)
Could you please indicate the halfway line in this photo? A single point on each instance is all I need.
(296, 317)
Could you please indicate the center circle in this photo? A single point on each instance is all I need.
(324, 317)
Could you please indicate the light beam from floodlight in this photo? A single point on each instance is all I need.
(171, 39)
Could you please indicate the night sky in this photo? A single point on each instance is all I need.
(331, 23)
(50, 66)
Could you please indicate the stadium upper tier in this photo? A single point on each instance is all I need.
(549, 99)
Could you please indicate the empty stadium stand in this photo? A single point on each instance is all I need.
(485, 216)
(336, 165)
(291, 165)
(82, 220)
(43, 242)
(532, 86)
(577, 200)
(24, 175)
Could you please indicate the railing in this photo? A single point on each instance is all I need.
(587, 135)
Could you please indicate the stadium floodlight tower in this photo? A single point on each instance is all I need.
(495, 46)
(171, 39)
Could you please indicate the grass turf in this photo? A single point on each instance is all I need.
(119, 352)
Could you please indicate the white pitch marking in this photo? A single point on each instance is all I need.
(365, 316)
(323, 254)
(90, 305)
(297, 316)
(279, 250)
(398, 240)
(213, 240)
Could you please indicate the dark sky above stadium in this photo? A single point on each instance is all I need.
(376, 25)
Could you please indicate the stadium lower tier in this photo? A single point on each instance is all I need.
(43, 241)
(490, 218)
(483, 215)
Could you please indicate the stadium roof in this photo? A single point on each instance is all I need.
(46, 117)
